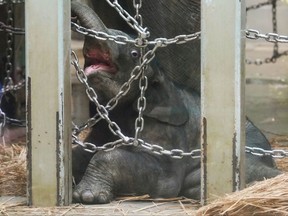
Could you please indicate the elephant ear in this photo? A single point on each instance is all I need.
(163, 102)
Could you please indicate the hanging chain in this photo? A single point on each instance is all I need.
(141, 105)
(137, 5)
(275, 29)
(8, 82)
(143, 82)
(270, 37)
(9, 28)
(9, 50)
(133, 22)
(11, 1)
(257, 6)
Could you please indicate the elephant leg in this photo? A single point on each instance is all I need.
(192, 185)
(125, 171)
(256, 170)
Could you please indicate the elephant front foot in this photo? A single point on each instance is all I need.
(92, 194)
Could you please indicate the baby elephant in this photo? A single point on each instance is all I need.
(172, 121)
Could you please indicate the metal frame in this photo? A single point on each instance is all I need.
(222, 97)
(48, 99)
(47, 26)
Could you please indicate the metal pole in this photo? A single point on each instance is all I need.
(222, 97)
(47, 29)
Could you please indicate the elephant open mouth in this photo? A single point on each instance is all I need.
(96, 61)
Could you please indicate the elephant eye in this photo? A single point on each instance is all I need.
(134, 54)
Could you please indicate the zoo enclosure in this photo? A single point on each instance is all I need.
(48, 135)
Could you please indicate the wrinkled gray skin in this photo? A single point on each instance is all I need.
(172, 120)
(165, 18)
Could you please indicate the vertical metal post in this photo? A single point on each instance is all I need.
(222, 97)
(48, 86)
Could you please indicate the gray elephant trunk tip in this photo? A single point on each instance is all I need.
(87, 17)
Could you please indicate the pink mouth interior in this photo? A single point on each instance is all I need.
(98, 61)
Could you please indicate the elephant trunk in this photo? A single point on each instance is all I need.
(87, 17)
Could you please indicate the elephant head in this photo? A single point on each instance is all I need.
(108, 65)
(167, 19)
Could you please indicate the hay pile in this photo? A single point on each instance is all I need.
(269, 197)
(13, 170)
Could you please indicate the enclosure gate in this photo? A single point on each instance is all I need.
(47, 24)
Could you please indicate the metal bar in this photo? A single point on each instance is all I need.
(48, 101)
(222, 97)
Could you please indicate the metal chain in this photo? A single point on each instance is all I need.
(277, 153)
(11, 1)
(101, 110)
(275, 29)
(10, 29)
(155, 149)
(139, 122)
(129, 19)
(121, 39)
(14, 87)
(269, 37)
(134, 75)
(9, 50)
(143, 83)
(257, 6)
(137, 5)
(141, 106)
(8, 82)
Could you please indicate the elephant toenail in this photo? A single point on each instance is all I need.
(76, 197)
(87, 196)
